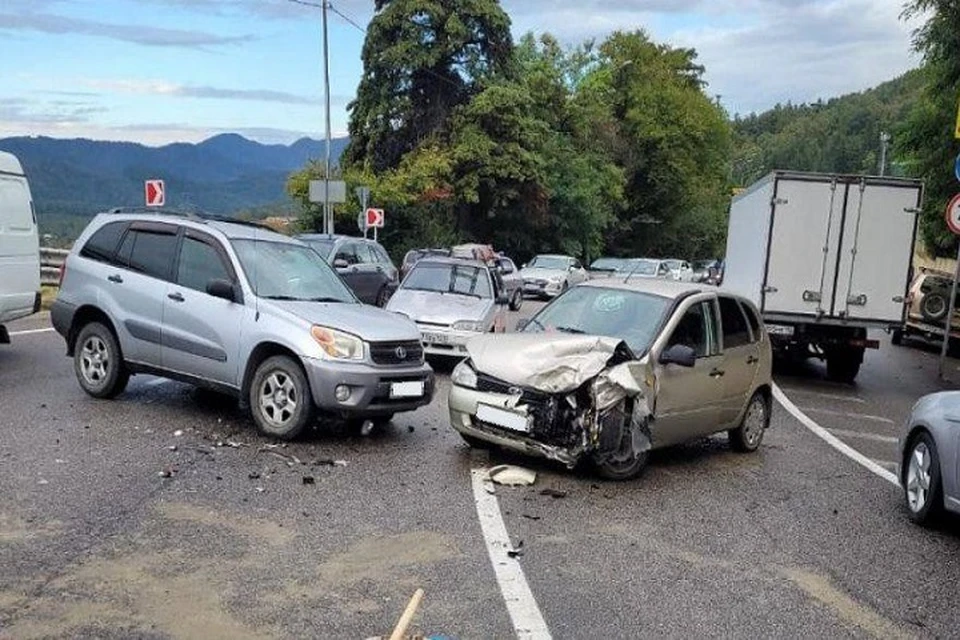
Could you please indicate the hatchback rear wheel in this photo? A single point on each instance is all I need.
(280, 399)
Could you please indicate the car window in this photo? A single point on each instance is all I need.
(664, 269)
(697, 330)
(753, 320)
(149, 252)
(442, 277)
(102, 245)
(577, 265)
(507, 266)
(200, 263)
(323, 247)
(348, 252)
(735, 331)
(380, 254)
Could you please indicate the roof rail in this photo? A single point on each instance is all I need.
(190, 215)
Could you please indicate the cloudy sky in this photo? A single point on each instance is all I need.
(157, 71)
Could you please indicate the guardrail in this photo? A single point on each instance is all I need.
(50, 262)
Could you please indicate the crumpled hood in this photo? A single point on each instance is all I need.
(366, 322)
(534, 273)
(438, 308)
(552, 363)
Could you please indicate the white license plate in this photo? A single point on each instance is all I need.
(435, 338)
(413, 389)
(503, 418)
(779, 330)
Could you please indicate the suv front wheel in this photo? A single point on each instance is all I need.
(98, 363)
(280, 399)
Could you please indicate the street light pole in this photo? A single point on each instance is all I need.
(327, 214)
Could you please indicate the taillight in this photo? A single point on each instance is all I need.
(63, 272)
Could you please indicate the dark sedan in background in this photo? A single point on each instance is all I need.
(362, 263)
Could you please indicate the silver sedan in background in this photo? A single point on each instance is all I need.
(930, 457)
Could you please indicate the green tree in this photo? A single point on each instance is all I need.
(421, 60)
(928, 137)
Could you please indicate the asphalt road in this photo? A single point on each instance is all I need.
(330, 536)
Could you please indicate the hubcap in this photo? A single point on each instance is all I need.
(754, 421)
(918, 477)
(94, 361)
(278, 398)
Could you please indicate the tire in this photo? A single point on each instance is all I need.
(626, 463)
(280, 398)
(922, 482)
(844, 365)
(756, 420)
(933, 306)
(382, 297)
(897, 337)
(98, 363)
(517, 301)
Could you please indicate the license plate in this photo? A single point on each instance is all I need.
(503, 418)
(436, 338)
(412, 389)
(779, 330)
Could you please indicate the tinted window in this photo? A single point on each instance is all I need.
(735, 332)
(380, 253)
(199, 264)
(149, 252)
(102, 245)
(753, 320)
(347, 252)
(322, 247)
(366, 254)
(696, 330)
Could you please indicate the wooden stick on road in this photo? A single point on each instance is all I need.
(407, 616)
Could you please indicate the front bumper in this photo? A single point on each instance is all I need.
(443, 341)
(542, 288)
(370, 387)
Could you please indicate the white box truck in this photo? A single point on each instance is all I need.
(825, 258)
(19, 246)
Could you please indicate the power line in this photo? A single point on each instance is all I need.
(347, 18)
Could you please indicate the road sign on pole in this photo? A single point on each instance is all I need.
(154, 193)
(337, 188)
(374, 218)
(953, 222)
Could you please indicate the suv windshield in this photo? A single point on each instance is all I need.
(631, 316)
(287, 271)
(323, 247)
(549, 262)
(462, 279)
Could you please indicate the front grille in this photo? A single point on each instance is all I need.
(389, 353)
(552, 417)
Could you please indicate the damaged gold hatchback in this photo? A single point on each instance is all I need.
(610, 370)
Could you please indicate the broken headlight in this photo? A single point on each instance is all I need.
(464, 376)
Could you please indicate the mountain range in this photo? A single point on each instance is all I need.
(223, 174)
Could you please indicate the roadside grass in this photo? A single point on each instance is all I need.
(48, 294)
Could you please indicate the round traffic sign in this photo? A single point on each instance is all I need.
(953, 214)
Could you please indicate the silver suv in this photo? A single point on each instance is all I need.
(238, 308)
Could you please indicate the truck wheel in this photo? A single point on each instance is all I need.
(844, 365)
(98, 362)
(897, 337)
(934, 306)
(280, 398)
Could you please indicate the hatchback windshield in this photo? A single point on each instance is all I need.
(287, 271)
(462, 279)
(323, 247)
(549, 262)
(631, 316)
(673, 264)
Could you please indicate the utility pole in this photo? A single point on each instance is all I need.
(884, 141)
(327, 213)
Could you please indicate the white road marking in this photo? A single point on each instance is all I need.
(528, 622)
(892, 466)
(833, 440)
(825, 396)
(843, 433)
(28, 332)
(847, 414)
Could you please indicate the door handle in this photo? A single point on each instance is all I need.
(115, 278)
(753, 360)
(176, 297)
(717, 373)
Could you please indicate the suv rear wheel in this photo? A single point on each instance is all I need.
(98, 363)
(280, 399)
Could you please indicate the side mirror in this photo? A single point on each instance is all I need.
(503, 299)
(222, 289)
(340, 263)
(679, 354)
(522, 323)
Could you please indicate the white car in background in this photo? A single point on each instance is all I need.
(547, 276)
(680, 270)
(19, 246)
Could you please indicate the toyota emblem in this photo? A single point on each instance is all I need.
(401, 353)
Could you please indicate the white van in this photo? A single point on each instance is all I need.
(19, 246)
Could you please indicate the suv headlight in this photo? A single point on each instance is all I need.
(464, 376)
(337, 344)
(467, 325)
